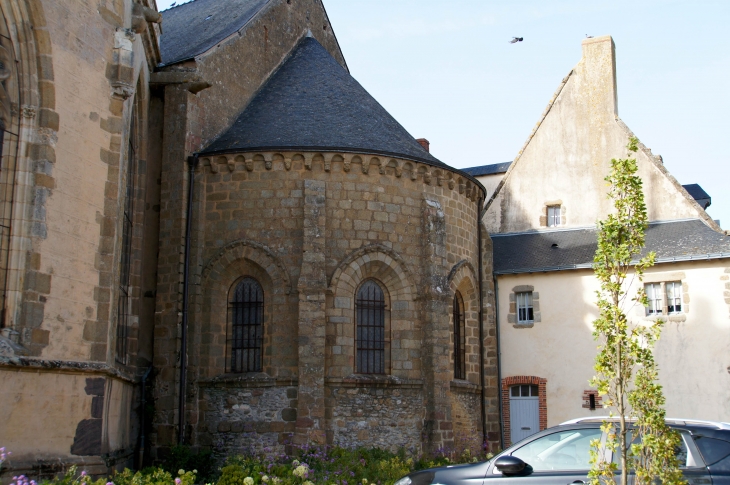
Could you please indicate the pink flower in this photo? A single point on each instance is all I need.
(178, 481)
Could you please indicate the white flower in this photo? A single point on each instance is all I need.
(248, 481)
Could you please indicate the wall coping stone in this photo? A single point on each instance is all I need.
(66, 367)
(372, 380)
(465, 387)
(250, 379)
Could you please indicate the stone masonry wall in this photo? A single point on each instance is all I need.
(310, 226)
(388, 418)
(241, 418)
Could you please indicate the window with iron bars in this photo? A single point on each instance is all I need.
(124, 303)
(245, 341)
(370, 326)
(459, 338)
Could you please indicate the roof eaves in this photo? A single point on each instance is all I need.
(568, 267)
(425, 161)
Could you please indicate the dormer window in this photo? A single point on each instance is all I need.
(553, 215)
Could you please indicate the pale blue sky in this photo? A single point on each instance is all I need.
(446, 72)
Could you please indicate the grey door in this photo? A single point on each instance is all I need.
(524, 412)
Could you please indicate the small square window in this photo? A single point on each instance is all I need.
(553, 215)
(525, 312)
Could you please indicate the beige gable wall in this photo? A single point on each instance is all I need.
(693, 353)
(567, 156)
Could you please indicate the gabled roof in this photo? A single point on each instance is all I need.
(492, 169)
(538, 251)
(312, 103)
(192, 28)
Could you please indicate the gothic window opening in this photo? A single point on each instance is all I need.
(9, 129)
(124, 304)
(246, 309)
(370, 326)
(459, 338)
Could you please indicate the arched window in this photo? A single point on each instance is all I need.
(459, 338)
(370, 328)
(124, 305)
(246, 308)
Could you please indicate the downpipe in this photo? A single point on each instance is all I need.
(140, 454)
(192, 164)
(481, 324)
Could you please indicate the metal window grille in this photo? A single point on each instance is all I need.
(247, 329)
(525, 312)
(125, 301)
(459, 338)
(370, 335)
(674, 296)
(553, 215)
(6, 200)
(654, 294)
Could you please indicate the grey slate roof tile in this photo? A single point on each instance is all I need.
(487, 169)
(574, 248)
(312, 103)
(192, 28)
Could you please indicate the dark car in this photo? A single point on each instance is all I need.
(560, 455)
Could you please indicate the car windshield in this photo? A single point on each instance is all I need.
(565, 450)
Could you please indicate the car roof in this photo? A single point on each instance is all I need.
(674, 421)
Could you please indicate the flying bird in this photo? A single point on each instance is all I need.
(515, 40)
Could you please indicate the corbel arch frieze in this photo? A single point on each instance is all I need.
(253, 251)
(348, 273)
(327, 160)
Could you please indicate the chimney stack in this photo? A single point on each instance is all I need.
(424, 143)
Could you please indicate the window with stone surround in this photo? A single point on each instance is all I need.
(459, 337)
(370, 329)
(667, 294)
(245, 339)
(553, 214)
(10, 68)
(524, 306)
(124, 302)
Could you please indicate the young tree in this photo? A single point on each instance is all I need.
(625, 369)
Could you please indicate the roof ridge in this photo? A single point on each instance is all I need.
(176, 5)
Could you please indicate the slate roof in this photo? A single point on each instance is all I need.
(194, 27)
(487, 169)
(696, 192)
(312, 103)
(534, 251)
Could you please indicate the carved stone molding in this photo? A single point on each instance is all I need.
(328, 161)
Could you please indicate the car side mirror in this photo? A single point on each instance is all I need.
(509, 465)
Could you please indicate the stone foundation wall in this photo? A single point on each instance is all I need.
(242, 419)
(389, 418)
(465, 413)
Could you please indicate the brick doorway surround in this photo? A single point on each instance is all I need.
(508, 382)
